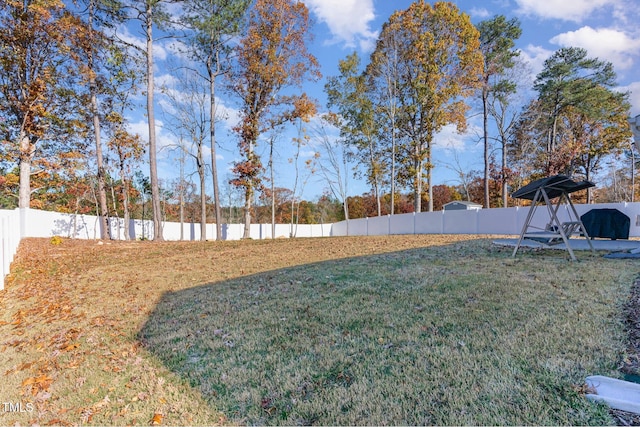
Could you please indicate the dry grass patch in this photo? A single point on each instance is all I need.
(372, 330)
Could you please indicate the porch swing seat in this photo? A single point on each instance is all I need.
(552, 192)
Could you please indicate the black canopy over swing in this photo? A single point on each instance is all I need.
(543, 191)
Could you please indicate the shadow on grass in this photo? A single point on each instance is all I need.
(457, 334)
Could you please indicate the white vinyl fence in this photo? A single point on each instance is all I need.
(476, 221)
(10, 238)
(48, 224)
(18, 223)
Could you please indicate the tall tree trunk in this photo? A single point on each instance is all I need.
(115, 210)
(153, 162)
(393, 167)
(551, 143)
(429, 177)
(417, 186)
(214, 167)
(105, 232)
(248, 195)
(430, 189)
(181, 196)
(345, 198)
(26, 155)
(485, 137)
(203, 196)
(633, 174)
(505, 190)
(273, 192)
(378, 203)
(588, 178)
(376, 184)
(125, 203)
(295, 188)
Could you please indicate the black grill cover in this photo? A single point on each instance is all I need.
(606, 223)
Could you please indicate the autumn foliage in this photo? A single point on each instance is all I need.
(271, 57)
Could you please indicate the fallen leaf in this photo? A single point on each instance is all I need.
(156, 420)
(103, 402)
(57, 422)
(86, 414)
(43, 396)
(42, 380)
(24, 366)
(71, 347)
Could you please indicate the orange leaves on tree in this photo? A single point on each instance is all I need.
(435, 50)
(271, 57)
(34, 63)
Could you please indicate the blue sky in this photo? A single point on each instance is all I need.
(607, 29)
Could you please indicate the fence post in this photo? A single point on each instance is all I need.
(24, 214)
(5, 252)
(415, 218)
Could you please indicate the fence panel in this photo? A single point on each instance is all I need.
(9, 240)
(378, 225)
(460, 222)
(340, 229)
(429, 223)
(358, 227)
(402, 224)
(498, 221)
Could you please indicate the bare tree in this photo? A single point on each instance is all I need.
(334, 163)
(188, 112)
(151, 14)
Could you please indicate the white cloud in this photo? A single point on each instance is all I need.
(165, 80)
(450, 139)
(566, 10)
(140, 128)
(179, 49)
(634, 96)
(226, 114)
(535, 57)
(159, 52)
(479, 12)
(348, 20)
(164, 140)
(604, 43)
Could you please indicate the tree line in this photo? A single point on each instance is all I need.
(431, 66)
(69, 80)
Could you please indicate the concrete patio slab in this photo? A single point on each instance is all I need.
(618, 394)
(576, 244)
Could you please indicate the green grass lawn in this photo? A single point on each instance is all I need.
(383, 331)
(460, 334)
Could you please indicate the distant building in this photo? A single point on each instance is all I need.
(460, 205)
